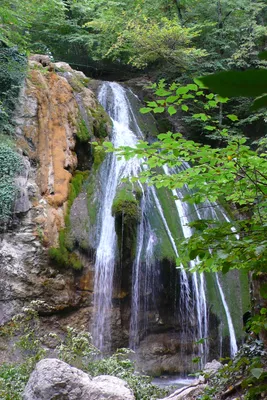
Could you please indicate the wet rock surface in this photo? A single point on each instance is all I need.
(163, 353)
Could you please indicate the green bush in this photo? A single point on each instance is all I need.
(10, 163)
(12, 73)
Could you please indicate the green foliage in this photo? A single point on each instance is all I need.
(24, 328)
(10, 164)
(165, 41)
(75, 348)
(246, 371)
(99, 156)
(12, 73)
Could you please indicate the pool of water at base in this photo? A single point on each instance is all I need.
(175, 381)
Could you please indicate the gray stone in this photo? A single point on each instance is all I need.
(54, 379)
(211, 368)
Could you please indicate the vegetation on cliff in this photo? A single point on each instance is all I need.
(30, 341)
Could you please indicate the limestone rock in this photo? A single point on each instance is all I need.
(211, 368)
(162, 353)
(54, 379)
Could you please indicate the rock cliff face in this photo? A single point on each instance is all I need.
(54, 105)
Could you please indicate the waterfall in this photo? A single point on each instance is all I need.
(113, 170)
(233, 345)
(193, 303)
(198, 279)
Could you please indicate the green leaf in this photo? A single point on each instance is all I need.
(260, 102)
(145, 110)
(210, 96)
(162, 93)
(184, 107)
(249, 83)
(193, 254)
(172, 110)
(172, 99)
(182, 90)
(209, 128)
(257, 372)
(212, 103)
(200, 341)
(226, 267)
(159, 110)
(191, 86)
(221, 99)
(232, 117)
(152, 104)
(201, 116)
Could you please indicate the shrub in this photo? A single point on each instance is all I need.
(10, 163)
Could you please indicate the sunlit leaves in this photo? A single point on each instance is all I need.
(232, 117)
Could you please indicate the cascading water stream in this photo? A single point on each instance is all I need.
(113, 170)
(216, 212)
(146, 247)
(198, 279)
(193, 302)
(233, 343)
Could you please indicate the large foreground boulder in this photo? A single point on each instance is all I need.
(54, 379)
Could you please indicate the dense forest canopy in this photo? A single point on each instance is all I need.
(166, 34)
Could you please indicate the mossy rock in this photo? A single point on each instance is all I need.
(99, 155)
(126, 206)
(83, 133)
(101, 122)
(64, 255)
(127, 213)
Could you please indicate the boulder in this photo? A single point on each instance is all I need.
(54, 379)
(211, 368)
